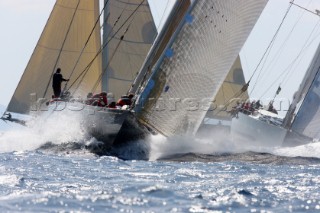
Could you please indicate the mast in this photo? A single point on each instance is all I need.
(122, 60)
(104, 83)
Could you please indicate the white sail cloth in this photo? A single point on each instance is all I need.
(196, 63)
(307, 120)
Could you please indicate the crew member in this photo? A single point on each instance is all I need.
(125, 100)
(56, 83)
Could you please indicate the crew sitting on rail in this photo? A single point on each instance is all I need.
(235, 110)
(99, 100)
(91, 98)
(271, 108)
(246, 108)
(125, 100)
(112, 105)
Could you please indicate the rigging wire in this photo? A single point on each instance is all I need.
(295, 62)
(238, 94)
(101, 75)
(276, 57)
(100, 50)
(86, 43)
(282, 73)
(262, 67)
(286, 78)
(317, 11)
(62, 46)
(83, 74)
(302, 51)
(164, 12)
(270, 45)
(85, 71)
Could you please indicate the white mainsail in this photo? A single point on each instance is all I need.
(194, 66)
(60, 45)
(307, 119)
(125, 57)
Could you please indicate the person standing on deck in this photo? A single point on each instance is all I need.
(56, 83)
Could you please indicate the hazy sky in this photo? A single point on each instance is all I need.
(22, 22)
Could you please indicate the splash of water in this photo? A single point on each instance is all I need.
(220, 142)
(307, 150)
(65, 126)
(206, 144)
(57, 128)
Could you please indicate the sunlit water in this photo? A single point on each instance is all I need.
(47, 168)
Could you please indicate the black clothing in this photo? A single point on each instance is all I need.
(57, 80)
(56, 84)
(56, 91)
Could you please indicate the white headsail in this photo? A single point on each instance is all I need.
(195, 63)
(125, 57)
(61, 44)
(307, 119)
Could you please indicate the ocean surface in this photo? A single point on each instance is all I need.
(47, 168)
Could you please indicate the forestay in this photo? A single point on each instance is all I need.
(125, 57)
(61, 44)
(307, 120)
(194, 66)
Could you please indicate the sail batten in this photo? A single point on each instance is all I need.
(194, 66)
(61, 42)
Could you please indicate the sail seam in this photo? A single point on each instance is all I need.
(71, 8)
(70, 51)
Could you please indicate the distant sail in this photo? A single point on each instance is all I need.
(229, 93)
(60, 45)
(194, 66)
(307, 119)
(125, 57)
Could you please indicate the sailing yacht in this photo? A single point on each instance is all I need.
(71, 40)
(301, 122)
(179, 76)
(300, 125)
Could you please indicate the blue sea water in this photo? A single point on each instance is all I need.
(48, 169)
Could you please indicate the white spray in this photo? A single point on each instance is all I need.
(57, 128)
